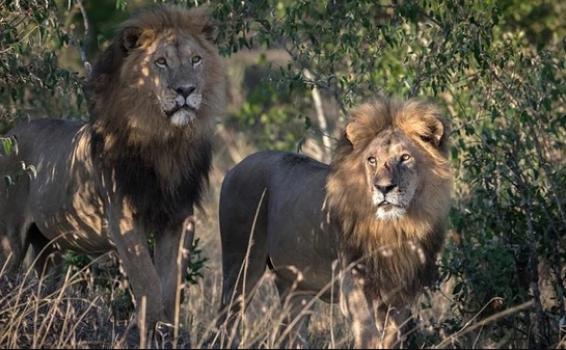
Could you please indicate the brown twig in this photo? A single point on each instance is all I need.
(83, 43)
(448, 340)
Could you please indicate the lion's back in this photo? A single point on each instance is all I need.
(43, 135)
(50, 158)
(287, 187)
(272, 170)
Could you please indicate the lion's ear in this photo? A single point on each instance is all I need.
(129, 38)
(352, 133)
(210, 30)
(425, 123)
(208, 26)
(435, 131)
(134, 37)
(365, 123)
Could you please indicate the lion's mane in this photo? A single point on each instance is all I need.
(160, 169)
(398, 256)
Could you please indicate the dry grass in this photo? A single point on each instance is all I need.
(90, 310)
(73, 315)
(87, 310)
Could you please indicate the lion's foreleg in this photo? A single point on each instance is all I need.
(172, 254)
(131, 245)
(392, 322)
(358, 308)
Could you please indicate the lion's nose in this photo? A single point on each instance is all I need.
(385, 189)
(185, 90)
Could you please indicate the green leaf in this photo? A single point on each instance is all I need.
(8, 180)
(7, 145)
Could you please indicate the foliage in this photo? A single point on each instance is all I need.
(9, 147)
(197, 263)
(32, 37)
(270, 113)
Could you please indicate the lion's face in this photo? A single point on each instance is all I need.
(173, 68)
(163, 72)
(399, 153)
(177, 63)
(391, 173)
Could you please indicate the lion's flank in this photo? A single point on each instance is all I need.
(397, 252)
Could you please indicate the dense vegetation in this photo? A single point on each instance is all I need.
(497, 68)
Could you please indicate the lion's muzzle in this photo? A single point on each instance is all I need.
(391, 201)
(187, 102)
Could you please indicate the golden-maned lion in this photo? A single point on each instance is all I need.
(135, 169)
(379, 211)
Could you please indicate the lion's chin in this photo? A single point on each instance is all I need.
(389, 212)
(182, 117)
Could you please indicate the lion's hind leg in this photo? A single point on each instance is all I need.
(47, 259)
(244, 261)
(239, 285)
(13, 221)
(14, 243)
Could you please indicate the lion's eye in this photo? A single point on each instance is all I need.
(196, 59)
(405, 157)
(372, 160)
(161, 62)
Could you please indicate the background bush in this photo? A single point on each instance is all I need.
(296, 67)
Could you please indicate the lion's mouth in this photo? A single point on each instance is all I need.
(388, 211)
(386, 206)
(187, 108)
(182, 116)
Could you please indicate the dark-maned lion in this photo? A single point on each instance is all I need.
(379, 210)
(136, 168)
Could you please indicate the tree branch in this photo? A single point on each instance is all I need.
(83, 43)
(320, 117)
